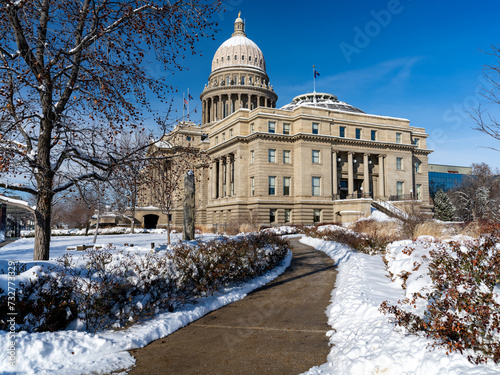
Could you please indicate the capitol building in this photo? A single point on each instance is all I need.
(316, 159)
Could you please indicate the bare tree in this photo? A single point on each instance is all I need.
(488, 123)
(129, 176)
(73, 75)
(478, 195)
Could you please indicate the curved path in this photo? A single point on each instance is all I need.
(277, 329)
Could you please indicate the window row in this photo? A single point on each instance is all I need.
(242, 59)
(286, 156)
(273, 215)
(287, 186)
(342, 133)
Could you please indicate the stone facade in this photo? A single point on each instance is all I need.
(316, 159)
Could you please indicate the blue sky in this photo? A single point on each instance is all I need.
(421, 60)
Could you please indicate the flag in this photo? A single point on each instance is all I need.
(316, 73)
(190, 97)
(185, 101)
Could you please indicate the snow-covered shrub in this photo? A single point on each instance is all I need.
(363, 242)
(114, 289)
(460, 308)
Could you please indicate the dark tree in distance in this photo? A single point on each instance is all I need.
(443, 208)
(73, 75)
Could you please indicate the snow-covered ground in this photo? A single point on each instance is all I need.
(363, 340)
(76, 352)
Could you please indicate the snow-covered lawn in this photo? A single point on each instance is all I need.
(76, 352)
(363, 340)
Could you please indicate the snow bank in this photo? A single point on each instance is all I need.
(363, 340)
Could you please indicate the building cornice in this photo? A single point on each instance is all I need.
(333, 140)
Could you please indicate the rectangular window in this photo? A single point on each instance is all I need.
(416, 142)
(316, 215)
(272, 127)
(286, 156)
(399, 189)
(286, 128)
(342, 132)
(271, 156)
(223, 137)
(216, 140)
(243, 80)
(398, 137)
(316, 186)
(230, 133)
(272, 215)
(315, 156)
(417, 167)
(272, 185)
(399, 163)
(288, 215)
(315, 128)
(373, 135)
(252, 157)
(252, 127)
(252, 186)
(358, 133)
(286, 185)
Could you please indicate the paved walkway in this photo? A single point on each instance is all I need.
(277, 329)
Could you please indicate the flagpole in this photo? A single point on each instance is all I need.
(188, 102)
(183, 106)
(314, 78)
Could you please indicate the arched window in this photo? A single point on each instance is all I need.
(250, 58)
(235, 57)
(242, 58)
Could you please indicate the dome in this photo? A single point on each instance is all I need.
(239, 51)
(320, 100)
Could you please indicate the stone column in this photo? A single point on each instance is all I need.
(335, 181)
(228, 175)
(236, 175)
(215, 180)
(221, 177)
(212, 109)
(366, 175)
(381, 184)
(267, 102)
(239, 102)
(350, 175)
(219, 108)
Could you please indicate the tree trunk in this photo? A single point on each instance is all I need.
(168, 228)
(189, 207)
(43, 213)
(97, 222)
(134, 203)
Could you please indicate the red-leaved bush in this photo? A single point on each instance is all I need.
(461, 311)
(114, 289)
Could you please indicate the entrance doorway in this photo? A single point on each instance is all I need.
(150, 221)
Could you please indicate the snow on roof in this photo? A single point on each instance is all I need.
(14, 201)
